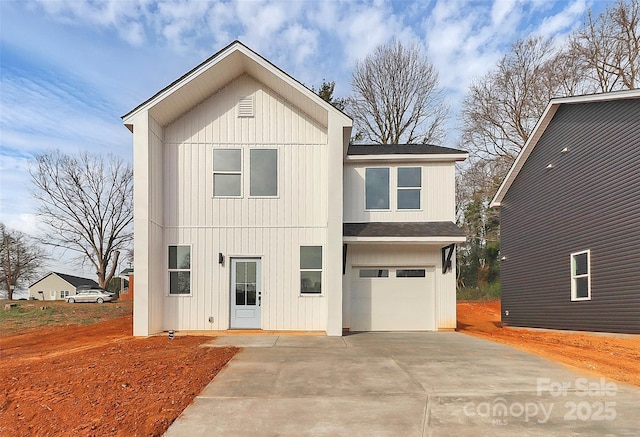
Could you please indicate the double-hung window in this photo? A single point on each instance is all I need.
(310, 269)
(409, 187)
(581, 275)
(179, 270)
(377, 188)
(227, 173)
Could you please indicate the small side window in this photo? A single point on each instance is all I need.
(310, 269)
(581, 275)
(179, 270)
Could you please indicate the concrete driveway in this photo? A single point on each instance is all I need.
(402, 384)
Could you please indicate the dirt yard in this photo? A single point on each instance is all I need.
(96, 379)
(613, 357)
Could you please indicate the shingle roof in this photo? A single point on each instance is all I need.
(397, 149)
(76, 281)
(402, 229)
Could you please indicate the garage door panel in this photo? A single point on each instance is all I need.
(392, 303)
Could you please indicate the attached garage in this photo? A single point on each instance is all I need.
(393, 299)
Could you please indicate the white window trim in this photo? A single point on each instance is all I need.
(64, 294)
(393, 189)
(226, 172)
(399, 188)
(190, 270)
(277, 195)
(321, 270)
(574, 290)
(391, 200)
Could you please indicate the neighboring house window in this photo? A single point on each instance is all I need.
(581, 275)
(64, 294)
(310, 269)
(179, 270)
(409, 187)
(263, 169)
(377, 188)
(227, 172)
(374, 273)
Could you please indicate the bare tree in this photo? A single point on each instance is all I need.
(86, 206)
(20, 259)
(502, 108)
(396, 97)
(609, 46)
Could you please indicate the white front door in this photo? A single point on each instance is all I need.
(246, 294)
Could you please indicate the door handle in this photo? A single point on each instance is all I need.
(259, 298)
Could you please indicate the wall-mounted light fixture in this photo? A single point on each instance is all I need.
(220, 259)
(565, 150)
(549, 167)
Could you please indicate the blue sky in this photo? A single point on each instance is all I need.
(70, 68)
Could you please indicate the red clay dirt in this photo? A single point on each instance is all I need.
(98, 380)
(615, 357)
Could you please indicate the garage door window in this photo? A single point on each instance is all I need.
(374, 273)
(310, 269)
(410, 273)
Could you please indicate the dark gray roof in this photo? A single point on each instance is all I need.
(410, 229)
(396, 149)
(76, 281)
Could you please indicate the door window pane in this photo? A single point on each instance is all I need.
(377, 188)
(240, 295)
(263, 180)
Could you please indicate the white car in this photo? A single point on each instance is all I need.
(92, 295)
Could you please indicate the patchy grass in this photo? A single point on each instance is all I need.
(484, 293)
(36, 314)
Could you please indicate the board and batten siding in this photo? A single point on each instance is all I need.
(437, 195)
(371, 255)
(588, 199)
(272, 229)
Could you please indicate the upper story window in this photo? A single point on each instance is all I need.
(581, 275)
(227, 172)
(263, 168)
(409, 187)
(404, 182)
(377, 188)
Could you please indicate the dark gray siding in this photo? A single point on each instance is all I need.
(590, 199)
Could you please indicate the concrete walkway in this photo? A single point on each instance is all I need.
(402, 384)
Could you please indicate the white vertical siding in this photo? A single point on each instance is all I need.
(437, 201)
(407, 255)
(272, 229)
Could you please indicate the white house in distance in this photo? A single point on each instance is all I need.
(58, 286)
(253, 212)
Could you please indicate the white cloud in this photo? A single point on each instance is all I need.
(564, 21)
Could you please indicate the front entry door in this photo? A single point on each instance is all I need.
(246, 295)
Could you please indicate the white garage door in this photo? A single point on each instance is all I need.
(393, 299)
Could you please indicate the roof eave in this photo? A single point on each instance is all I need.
(422, 240)
(431, 157)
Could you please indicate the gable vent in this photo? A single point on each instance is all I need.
(245, 107)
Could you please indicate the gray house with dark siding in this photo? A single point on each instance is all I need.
(570, 218)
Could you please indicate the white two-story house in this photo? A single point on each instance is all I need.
(251, 211)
